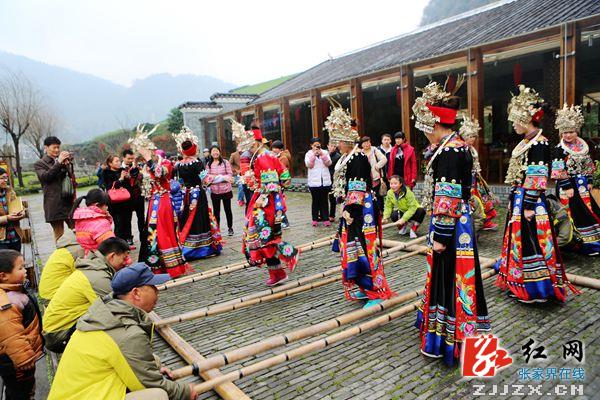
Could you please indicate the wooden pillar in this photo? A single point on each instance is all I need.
(356, 103)
(237, 115)
(475, 95)
(407, 95)
(220, 132)
(258, 114)
(286, 123)
(317, 117)
(569, 38)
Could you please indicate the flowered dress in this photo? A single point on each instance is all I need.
(199, 232)
(262, 240)
(531, 267)
(162, 251)
(572, 167)
(361, 261)
(454, 304)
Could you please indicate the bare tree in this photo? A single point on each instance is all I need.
(45, 123)
(19, 104)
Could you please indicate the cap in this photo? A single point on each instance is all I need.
(136, 275)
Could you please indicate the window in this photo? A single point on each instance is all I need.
(301, 123)
(271, 124)
(382, 112)
(211, 134)
(229, 143)
(340, 96)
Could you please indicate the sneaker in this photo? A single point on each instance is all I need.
(412, 234)
(315, 224)
(326, 224)
(360, 295)
(372, 303)
(403, 230)
(130, 241)
(332, 219)
(230, 232)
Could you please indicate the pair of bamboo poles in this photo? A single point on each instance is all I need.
(315, 244)
(223, 359)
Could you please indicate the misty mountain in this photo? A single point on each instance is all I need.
(89, 106)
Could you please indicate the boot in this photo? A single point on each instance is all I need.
(276, 277)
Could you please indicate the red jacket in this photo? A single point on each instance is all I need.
(410, 164)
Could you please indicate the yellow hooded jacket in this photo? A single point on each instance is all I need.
(60, 265)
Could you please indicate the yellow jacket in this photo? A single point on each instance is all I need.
(110, 353)
(75, 295)
(60, 265)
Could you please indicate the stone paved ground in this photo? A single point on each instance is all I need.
(380, 364)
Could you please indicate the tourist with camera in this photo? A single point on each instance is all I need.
(55, 172)
(317, 161)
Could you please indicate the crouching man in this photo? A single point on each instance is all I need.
(110, 354)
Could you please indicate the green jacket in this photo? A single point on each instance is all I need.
(75, 295)
(110, 353)
(405, 203)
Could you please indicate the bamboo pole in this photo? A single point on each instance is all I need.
(320, 343)
(227, 390)
(220, 360)
(315, 244)
(279, 293)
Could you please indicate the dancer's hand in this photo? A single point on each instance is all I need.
(438, 247)
(528, 214)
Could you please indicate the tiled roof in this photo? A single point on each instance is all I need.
(201, 104)
(487, 24)
(239, 96)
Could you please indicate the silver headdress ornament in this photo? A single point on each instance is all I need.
(432, 93)
(469, 128)
(339, 125)
(569, 119)
(243, 138)
(522, 106)
(142, 138)
(185, 135)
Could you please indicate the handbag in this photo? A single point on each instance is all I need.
(118, 195)
(383, 189)
(67, 190)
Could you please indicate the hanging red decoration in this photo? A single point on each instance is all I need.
(517, 74)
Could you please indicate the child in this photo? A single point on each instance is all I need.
(20, 336)
(93, 223)
(402, 207)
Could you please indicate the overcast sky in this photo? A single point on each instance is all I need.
(242, 42)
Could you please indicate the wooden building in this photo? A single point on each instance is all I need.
(550, 45)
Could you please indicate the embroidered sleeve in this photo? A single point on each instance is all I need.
(536, 174)
(447, 203)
